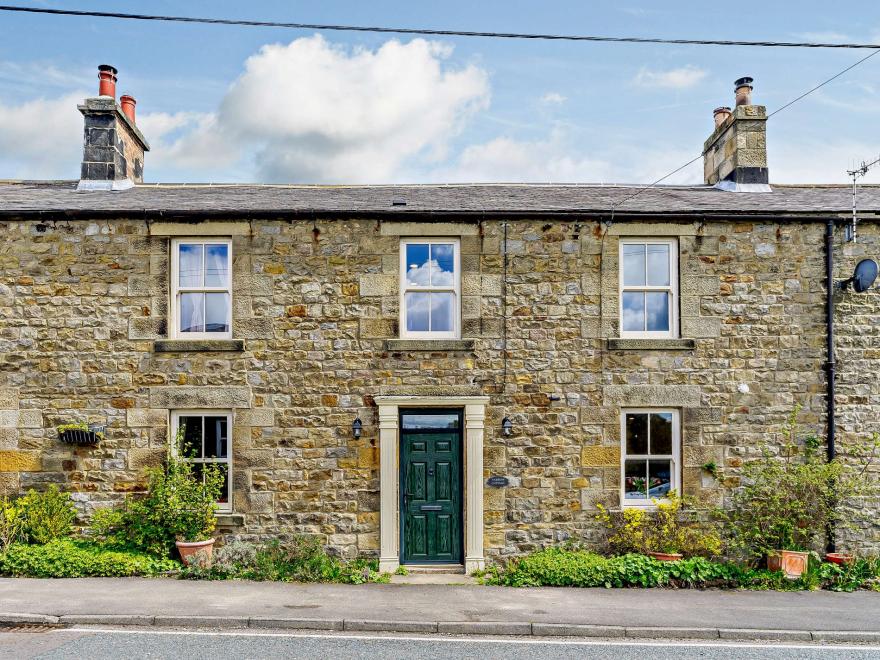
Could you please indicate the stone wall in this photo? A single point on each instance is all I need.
(83, 309)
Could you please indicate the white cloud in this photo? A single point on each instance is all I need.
(41, 139)
(681, 78)
(555, 158)
(313, 111)
(553, 98)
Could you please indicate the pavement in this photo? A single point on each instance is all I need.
(820, 616)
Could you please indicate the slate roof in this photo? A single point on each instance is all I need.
(28, 198)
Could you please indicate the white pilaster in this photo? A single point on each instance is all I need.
(474, 417)
(389, 555)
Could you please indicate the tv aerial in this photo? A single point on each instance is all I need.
(863, 276)
(860, 171)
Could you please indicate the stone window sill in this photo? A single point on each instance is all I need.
(229, 519)
(197, 345)
(651, 344)
(397, 345)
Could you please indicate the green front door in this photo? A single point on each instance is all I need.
(430, 487)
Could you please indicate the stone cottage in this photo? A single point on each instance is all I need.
(425, 373)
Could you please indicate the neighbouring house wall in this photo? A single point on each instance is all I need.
(82, 305)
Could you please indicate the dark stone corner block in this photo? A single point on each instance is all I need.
(197, 345)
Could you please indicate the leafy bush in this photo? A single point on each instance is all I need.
(301, 559)
(11, 523)
(68, 558)
(178, 505)
(672, 528)
(46, 516)
(567, 567)
(788, 502)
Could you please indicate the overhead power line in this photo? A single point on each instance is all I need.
(433, 32)
(775, 112)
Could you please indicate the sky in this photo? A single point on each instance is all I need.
(237, 104)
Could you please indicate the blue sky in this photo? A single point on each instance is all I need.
(253, 104)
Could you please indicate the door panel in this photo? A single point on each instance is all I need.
(431, 511)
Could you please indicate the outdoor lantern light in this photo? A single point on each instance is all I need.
(506, 426)
(356, 427)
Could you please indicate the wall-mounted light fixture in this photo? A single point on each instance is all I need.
(506, 426)
(356, 427)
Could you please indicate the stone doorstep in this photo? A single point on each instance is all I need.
(521, 628)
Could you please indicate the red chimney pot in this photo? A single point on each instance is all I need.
(107, 80)
(128, 102)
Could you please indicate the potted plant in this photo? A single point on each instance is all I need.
(176, 511)
(80, 433)
(788, 501)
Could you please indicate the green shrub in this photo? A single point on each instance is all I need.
(11, 523)
(301, 559)
(788, 502)
(566, 567)
(178, 506)
(69, 558)
(46, 516)
(672, 527)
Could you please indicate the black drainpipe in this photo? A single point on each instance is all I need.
(830, 364)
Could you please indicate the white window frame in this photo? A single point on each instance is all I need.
(224, 507)
(675, 457)
(672, 289)
(176, 289)
(455, 289)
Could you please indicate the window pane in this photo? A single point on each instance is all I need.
(634, 265)
(191, 444)
(633, 311)
(441, 311)
(661, 433)
(429, 421)
(216, 265)
(443, 264)
(634, 481)
(659, 478)
(417, 307)
(658, 265)
(224, 491)
(216, 437)
(418, 269)
(192, 312)
(216, 312)
(190, 265)
(657, 307)
(636, 433)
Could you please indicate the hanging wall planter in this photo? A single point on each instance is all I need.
(80, 434)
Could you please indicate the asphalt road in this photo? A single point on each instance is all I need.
(99, 644)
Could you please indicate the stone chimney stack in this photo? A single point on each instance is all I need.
(113, 146)
(735, 155)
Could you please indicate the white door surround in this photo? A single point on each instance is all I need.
(389, 474)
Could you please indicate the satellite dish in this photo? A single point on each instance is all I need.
(863, 276)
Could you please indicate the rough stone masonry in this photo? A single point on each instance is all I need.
(83, 336)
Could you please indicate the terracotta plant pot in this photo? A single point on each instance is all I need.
(192, 552)
(790, 562)
(665, 556)
(839, 558)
